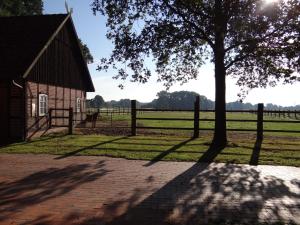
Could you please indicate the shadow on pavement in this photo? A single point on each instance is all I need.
(206, 193)
(44, 185)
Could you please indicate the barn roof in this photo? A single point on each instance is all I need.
(23, 40)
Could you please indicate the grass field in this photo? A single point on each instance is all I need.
(274, 151)
(276, 148)
(206, 124)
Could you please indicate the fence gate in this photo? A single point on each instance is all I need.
(59, 117)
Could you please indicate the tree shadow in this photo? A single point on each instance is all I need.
(90, 147)
(165, 153)
(208, 194)
(205, 193)
(212, 152)
(44, 185)
(256, 151)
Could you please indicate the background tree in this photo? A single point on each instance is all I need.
(86, 52)
(179, 100)
(34, 7)
(21, 7)
(254, 40)
(96, 102)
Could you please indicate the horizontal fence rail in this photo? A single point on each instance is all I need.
(261, 120)
(260, 112)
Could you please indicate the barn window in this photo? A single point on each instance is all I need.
(43, 104)
(78, 105)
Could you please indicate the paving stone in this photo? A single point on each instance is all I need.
(42, 189)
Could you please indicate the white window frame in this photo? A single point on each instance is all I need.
(78, 105)
(43, 104)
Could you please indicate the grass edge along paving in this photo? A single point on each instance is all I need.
(241, 150)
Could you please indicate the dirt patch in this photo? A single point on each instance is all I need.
(119, 128)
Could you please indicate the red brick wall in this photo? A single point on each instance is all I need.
(58, 97)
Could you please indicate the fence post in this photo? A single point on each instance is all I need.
(70, 120)
(50, 118)
(260, 120)
(111, 119)
(196, 116)
(133, 117)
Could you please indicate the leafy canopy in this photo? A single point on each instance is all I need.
(20, 7)
(261, 40)
(86, 52)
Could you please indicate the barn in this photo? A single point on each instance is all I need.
(42, 69)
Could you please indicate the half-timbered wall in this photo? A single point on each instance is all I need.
(59, 98)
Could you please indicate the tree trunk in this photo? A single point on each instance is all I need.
(220, 137)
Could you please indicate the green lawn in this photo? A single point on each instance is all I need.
(275, 151)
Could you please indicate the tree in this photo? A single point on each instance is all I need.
(86, 52)
(96, 102)
(179, 100)
(35, 7)
(254, 40)
(163, 100)
(21, 7)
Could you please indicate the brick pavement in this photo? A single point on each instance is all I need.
(42, 189)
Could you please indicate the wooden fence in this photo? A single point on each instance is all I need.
(69, 117)
(109, 111)
(260, 112)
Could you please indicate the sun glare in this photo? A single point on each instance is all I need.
(269, 1)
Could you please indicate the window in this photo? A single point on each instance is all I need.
(43, 104)
(78, 105)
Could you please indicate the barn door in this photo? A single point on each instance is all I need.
(4, 131)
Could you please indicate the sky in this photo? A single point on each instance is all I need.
(91, 29)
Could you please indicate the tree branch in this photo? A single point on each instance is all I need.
(258, 39)
(236, 59)
(204, 36)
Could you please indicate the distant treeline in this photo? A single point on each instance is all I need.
(180, 100)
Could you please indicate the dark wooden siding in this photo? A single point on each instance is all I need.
(4, 112)
(12, 112)
(60, 64)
